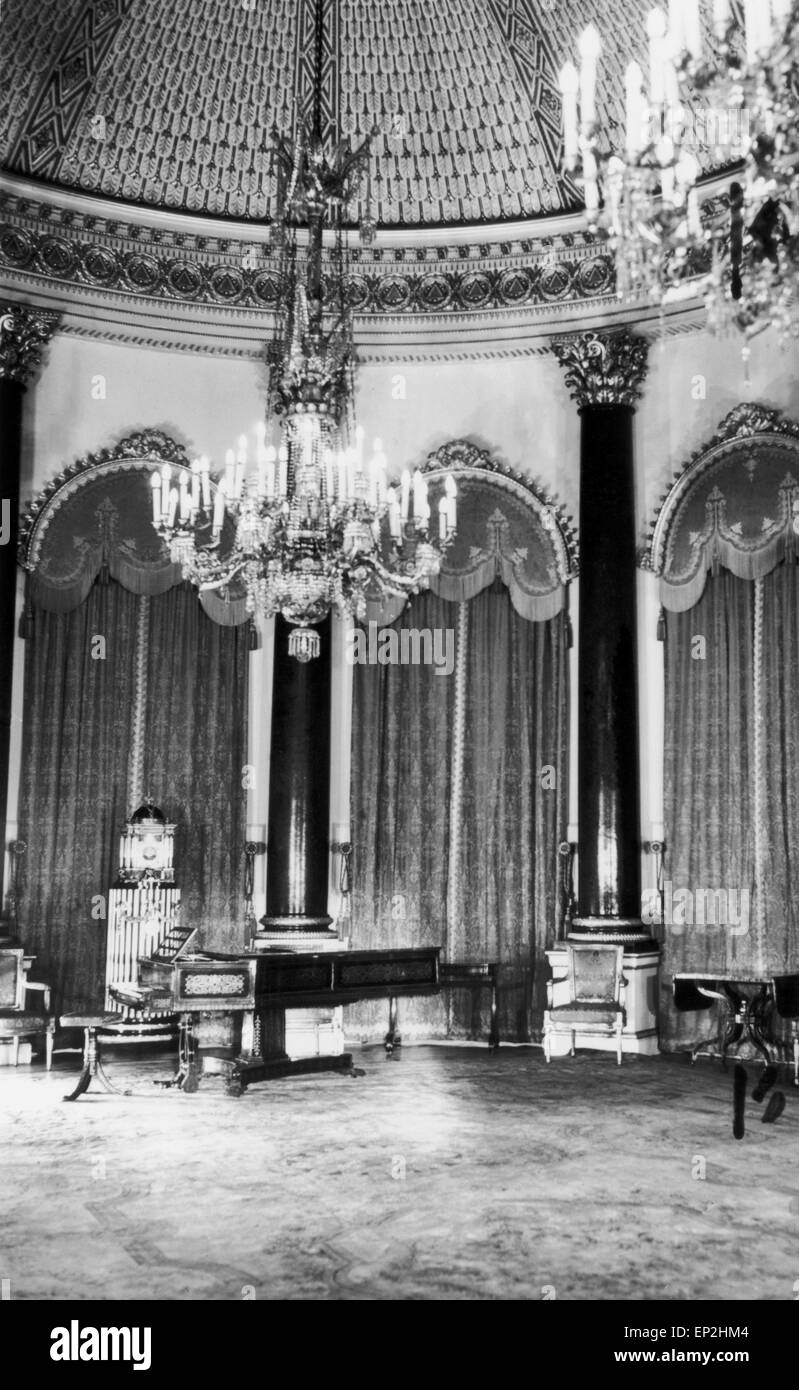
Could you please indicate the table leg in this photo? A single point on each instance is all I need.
(732, 1020)
(89, 1068)
(493, 1035)
(393, 1036)
(758, 1020)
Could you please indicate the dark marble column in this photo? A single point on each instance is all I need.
(24, 333)
(605, 373)
(299, 788)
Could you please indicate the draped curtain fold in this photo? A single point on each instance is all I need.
(401, 784)
(504, 781)
(514, 800)
(731, 760)
(780, 747)
(79, 679)
(79, 701)
(709, 670)
(195, 751)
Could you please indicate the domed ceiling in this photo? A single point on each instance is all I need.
(168, 103)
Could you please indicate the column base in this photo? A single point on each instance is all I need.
(618, 931)
(308, 1032)
(294, 924)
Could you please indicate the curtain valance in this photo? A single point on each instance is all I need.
(98, 513)
(506, 530)
(735, 505)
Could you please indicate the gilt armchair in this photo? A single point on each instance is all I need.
(594, 1006)
(18, 1020)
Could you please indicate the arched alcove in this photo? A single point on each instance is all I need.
(723, 546)
(97, 515)
(733, 505)
(508, 529)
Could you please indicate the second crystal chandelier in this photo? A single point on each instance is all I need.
(740, 252)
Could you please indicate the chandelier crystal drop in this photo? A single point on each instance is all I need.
(301, 522)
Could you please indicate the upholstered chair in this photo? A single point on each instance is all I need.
(17, 1019)
(595, 1004)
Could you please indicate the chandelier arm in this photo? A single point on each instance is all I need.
(395, 583)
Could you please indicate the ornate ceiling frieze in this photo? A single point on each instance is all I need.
(57, 246)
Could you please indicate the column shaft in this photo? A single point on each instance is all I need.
(11, 393)
(24, 333)
(608, 778)
(299, 788)
(605, 373)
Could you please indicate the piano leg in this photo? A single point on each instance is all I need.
(393, 1036)
(188, 1077)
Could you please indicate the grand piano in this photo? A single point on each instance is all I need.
(256, 988)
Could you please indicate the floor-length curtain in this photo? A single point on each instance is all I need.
(476, 759)
(514, 801)
(73, 796)
(401, 779)
(195, 752)
(81, 693)
(708, 793)
(780, 773)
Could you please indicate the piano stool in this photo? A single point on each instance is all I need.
(99, 1028)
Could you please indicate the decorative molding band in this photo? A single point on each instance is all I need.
(746, 421)
(60, 246)
(603, 368)
(489, 338)
(24, 334)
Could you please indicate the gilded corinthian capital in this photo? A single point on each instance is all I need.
(24, 334)
(603, 368)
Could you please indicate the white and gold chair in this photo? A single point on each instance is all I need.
(18, 1021)
(594, 1006)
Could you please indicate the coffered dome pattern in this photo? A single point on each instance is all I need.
(171, 105)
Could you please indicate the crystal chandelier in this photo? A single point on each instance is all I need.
(312, 526)
(743, 258)
(642, 200)
(755, 279)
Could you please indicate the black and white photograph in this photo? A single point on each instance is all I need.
(399, 669)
